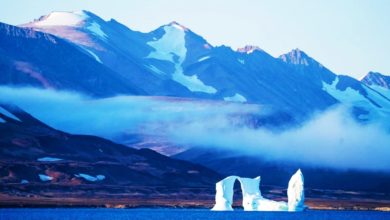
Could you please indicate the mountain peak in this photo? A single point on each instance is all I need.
(62, 18)
(378, 79)
(298, 57)
(249, 49)
(176, 25)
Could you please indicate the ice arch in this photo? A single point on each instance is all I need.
(252, 200)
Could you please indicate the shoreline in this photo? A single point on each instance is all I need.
(153, 203)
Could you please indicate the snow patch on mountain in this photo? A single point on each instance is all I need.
(348, 95)
(236, 98)
(378, 98)
(193, 83)
(93, 55)
(352, 97)
(155, 70)
(62, 19)
(381, 90)
(96, 30)
(171, 47)
(8, 114)
(49, 159)
(178, 26)
(248, 49)
(203, 58)
(45, 178)
(90, 178)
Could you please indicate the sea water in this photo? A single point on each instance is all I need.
(178, 214)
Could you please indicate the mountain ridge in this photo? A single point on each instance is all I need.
(174, 61)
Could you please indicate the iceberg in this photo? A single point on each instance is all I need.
(296, 193)
(224, 194)
(252, 198)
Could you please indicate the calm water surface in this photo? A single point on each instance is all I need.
(179, 214)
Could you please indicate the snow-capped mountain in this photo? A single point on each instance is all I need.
(32, 58)
(114, 45)
(174, 61)
(367, 103)
(376, 79)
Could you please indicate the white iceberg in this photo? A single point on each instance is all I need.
(224, 194)
(252, 198)
(296, 193)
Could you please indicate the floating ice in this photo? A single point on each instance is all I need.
(224, 194)
(296, 193)
(252, 198)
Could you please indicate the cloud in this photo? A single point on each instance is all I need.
(329, 139)
(109, 117)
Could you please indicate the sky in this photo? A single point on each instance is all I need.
(350, 37)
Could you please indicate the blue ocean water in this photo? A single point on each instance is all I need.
(178, 214)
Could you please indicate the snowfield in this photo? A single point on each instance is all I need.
(171, 47)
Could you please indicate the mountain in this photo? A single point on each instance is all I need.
(174, 61)
(368, 104)
(378, 82)
(376, 79)
(31, 58)
(50, 162)
(113, 45)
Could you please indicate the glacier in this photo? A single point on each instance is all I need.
(252, 198)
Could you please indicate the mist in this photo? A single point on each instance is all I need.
(328, 139)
